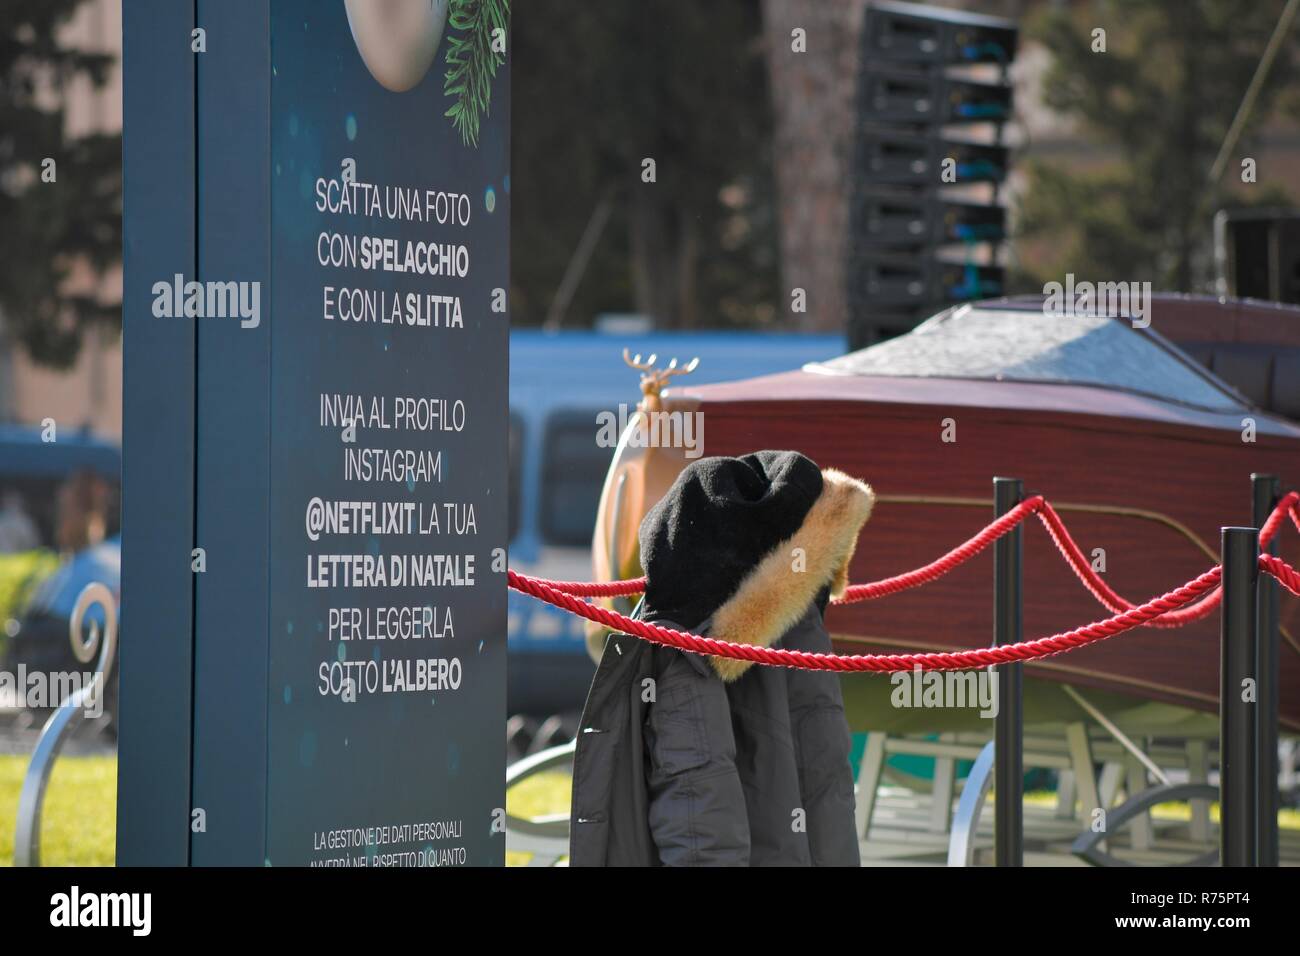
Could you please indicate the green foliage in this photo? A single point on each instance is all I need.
(472, 62)
(543, 794)
(51, 229)
(600, 86)
(1135, 201)
(20, 573)
(79, 820)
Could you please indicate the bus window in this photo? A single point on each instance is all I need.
(516, 471)
(573, 472)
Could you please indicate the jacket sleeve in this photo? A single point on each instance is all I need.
(822, 744)
(696, 804)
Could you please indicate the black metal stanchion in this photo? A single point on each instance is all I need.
(1266, 491)
(1009, 766)
(1238, 703)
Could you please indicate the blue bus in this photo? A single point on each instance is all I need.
(559, 383)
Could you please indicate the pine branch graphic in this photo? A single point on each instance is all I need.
(472, 62)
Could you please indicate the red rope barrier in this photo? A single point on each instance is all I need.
(590, 589)
(877, 663)
(1286, 575)
(941, 566)
(1082, 567)
(856, 592)
(1194, 600)
(885, 663)
(1102, 591)
(1288, 506)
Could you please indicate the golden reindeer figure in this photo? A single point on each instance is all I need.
(653, 380)
(637, 479)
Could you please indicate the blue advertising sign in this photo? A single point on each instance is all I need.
(350, 429)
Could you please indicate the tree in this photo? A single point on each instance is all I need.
(60, 196)
(813, 97)
(599, 88)
(1159, 99)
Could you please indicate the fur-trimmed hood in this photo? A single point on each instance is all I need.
(776, 594)
(740, 548)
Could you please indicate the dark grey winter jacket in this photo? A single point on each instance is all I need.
(684, 760)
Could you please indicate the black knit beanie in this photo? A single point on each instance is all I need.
(718, 520)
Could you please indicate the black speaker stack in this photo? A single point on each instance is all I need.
(929, 161)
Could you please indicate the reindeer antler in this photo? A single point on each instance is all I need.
(686, 369)
(636, 362)
(654, 379)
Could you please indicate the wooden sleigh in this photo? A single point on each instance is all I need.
(1145, 453)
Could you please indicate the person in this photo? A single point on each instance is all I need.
(17, 530)
(83, 503)
(686, 760)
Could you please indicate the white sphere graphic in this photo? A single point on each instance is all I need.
(398, 39)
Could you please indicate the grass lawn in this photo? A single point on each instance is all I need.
(80, 809)
(80, 816)
(79, 823)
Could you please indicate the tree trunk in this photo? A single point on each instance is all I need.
(665, 258)
(653, 240)
(813, 107)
